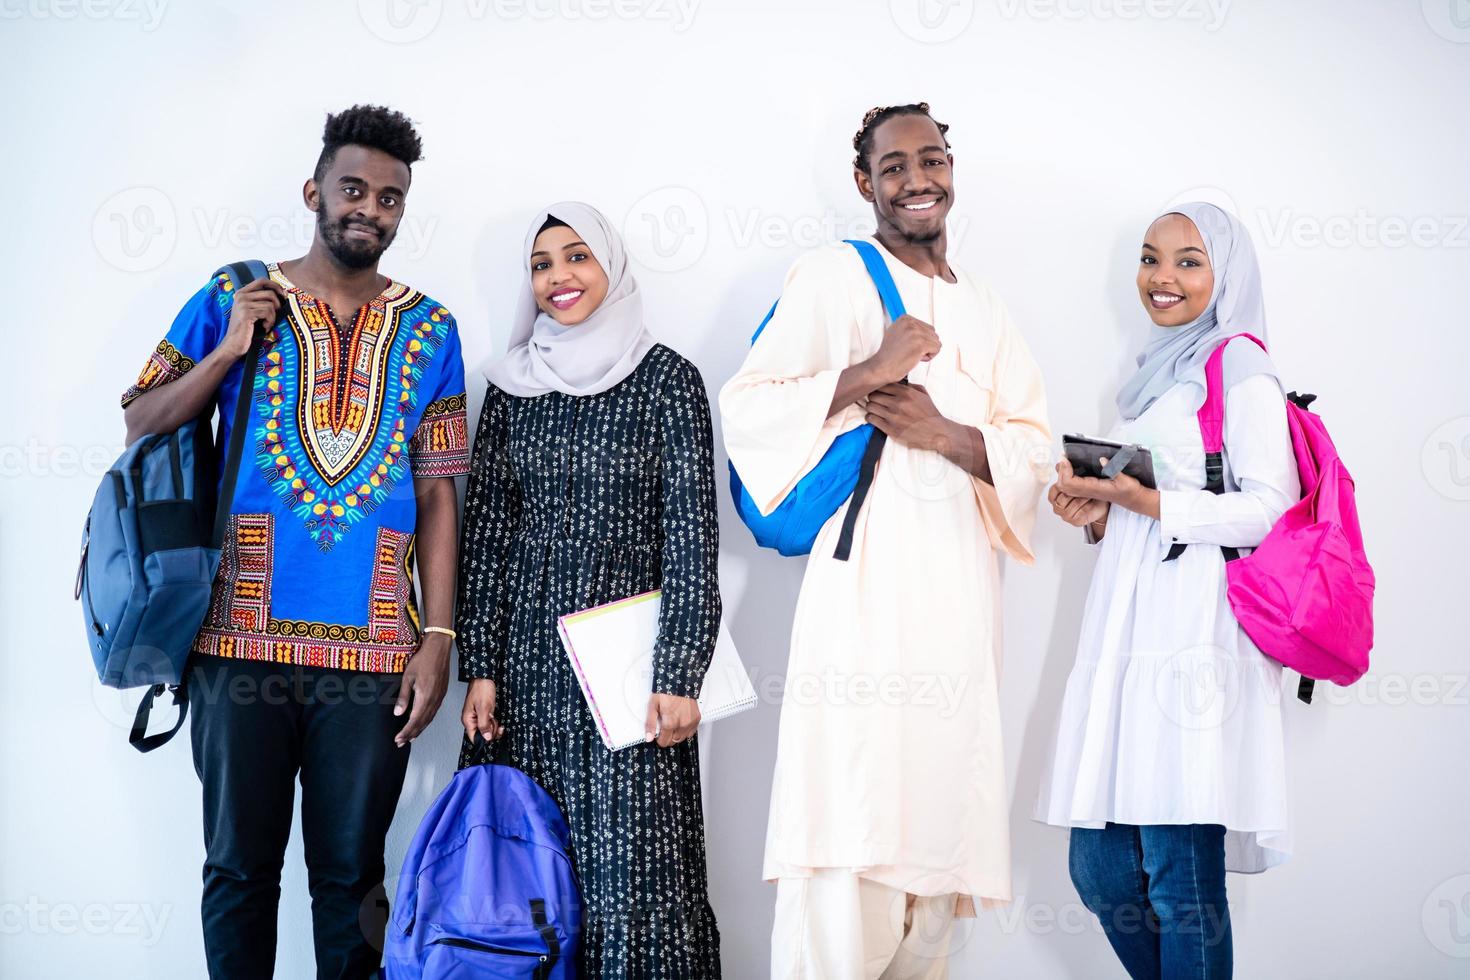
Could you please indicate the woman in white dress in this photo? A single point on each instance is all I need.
(1169, 763)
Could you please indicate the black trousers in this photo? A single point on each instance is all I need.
(257, 726)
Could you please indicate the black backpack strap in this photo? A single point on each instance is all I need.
(1304, 688)
(868, 467)
(1215, 483)
(548, 936)
(148, 743)
(241, 274)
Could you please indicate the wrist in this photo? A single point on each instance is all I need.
(1145, 502)
(951, 439)
(875, 374)
(434, 642)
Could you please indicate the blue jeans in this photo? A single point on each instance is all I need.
(1159, 892)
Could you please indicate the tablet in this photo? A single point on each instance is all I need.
(1083, 452)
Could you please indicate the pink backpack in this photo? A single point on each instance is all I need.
(1305, 596)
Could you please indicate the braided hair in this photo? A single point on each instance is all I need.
(877, 116)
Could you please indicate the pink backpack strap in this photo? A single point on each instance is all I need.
(1211, 416)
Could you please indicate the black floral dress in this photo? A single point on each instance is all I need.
(573, 502)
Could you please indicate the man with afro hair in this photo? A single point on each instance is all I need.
(315, 662)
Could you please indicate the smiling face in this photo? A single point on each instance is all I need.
(358, 204)
(909, 180)
(1175, 279)
(568, 282)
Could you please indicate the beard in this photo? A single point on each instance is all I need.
(352, 254)
(912, 235)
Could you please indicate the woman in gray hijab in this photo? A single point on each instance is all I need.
(592, 480)
(1169, 759)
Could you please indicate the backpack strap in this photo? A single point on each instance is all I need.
(893, 307)
(241, 274)
(1211, 419)
(148, 743)
(548, 936)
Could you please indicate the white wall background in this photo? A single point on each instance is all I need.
(148, 141)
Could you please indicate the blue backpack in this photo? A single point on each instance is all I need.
(845, 470)
(151, 546)
(487, 887)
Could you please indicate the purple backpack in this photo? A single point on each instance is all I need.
(1305, 596)
(487, 887)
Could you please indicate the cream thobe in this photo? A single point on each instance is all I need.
(889, 760)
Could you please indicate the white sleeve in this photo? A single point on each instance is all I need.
(775, 410)
(1262, 464)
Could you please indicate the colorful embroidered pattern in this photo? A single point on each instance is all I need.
(333, 405)
(391, 615)
(441, 441)
(243, 598)
(239, 624)
(167, 364)
(337, 415)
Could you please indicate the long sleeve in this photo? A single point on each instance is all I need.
(492, 512)
(689, 613)
(774, 411)
(1259, 460)
(1017, 444)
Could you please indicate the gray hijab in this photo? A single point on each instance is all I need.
(1176, 354)
(593, 355)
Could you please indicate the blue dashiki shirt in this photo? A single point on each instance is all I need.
(317, 563)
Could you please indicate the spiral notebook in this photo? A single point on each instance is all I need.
(611, 651)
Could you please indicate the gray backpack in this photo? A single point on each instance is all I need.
(151, 546)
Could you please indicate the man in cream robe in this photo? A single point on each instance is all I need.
(888, 810)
